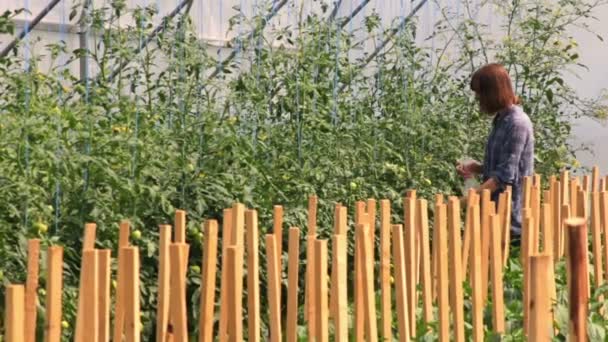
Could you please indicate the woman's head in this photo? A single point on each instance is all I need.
(492, 86)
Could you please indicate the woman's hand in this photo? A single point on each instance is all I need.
(468, 169)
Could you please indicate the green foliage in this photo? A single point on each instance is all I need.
(272, 128)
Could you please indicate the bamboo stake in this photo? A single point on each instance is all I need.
(89, 297)
(104, 278)
(498, 306)
(485, 242)
(207, 300)
(473, 216)
(15, 313)
(410, 262)
(455, 268)
(341, 318)
(278, 233)
(311, 235)
(292, 301)
(423, 226)
(400, 284)
(131, 288)
(119, 306)
(541, 328)
(31, 289)
(88, 242)
(178, 253)
(253, 272)
(227, 241)
(360, 218)
(385, 269)
(578, 288)
(597, 239)
(180, 226)
(368, 284)
(443, 283)
(273, 285)
(54, 290)
(164, 272)
(321, 279)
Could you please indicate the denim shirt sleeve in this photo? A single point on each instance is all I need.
(514, 138)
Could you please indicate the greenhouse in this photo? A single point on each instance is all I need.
(303, 170)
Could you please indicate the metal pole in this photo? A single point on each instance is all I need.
(84, 42)
(355, 12)
(390, 36)
(233, 54)
(28, 28)
(334, 12)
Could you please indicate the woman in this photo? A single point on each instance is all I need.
(509, 151)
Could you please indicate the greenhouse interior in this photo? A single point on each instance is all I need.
(303, 170)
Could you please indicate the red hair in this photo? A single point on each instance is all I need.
(493, 85)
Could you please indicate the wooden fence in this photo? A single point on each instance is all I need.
(408, 265)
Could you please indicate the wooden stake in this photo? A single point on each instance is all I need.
(360, 218)
(88, 242)
(131, 288)
(472, 200)
(574, 197)
(180, 226)
(227, 241)
(385, 268)
(541, 329)
(311, 236)
(410, 261)
(119, 306)
(558, 235)
(423, 226)
(371, 216)
(54, 291)
(15, 313)
(586, 183)
(104, 278)
(597, 239)
(340, 229)
(164, 272)
(273, 285)
(341, 295)
(535, 213)
(595, 187)
(456, 279)
(474, 217)
(253, 272)
(506, 215)
(235, 326)
(486, 204)
(498, 306)
(321, 284)
(548, 245)
(578, 289)
(206, 316)
(439, 199)
(604, 223)
(443, 283)
(178, 314)
(278, 232)
(400, 284)
(527, 192)
(31, 289)
(368, 285)
(527, 250)
(89, 295)
(292, 301)
(565, 199)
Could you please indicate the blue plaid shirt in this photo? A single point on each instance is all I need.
(509, 157)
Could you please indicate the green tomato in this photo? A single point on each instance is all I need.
(42, 292)
(41, 227)
(195, 269)
(1, 275)
(353, 186)
(136, 234)
(190, 167)
(65, 324)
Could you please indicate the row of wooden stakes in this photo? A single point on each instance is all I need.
(402, 254)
